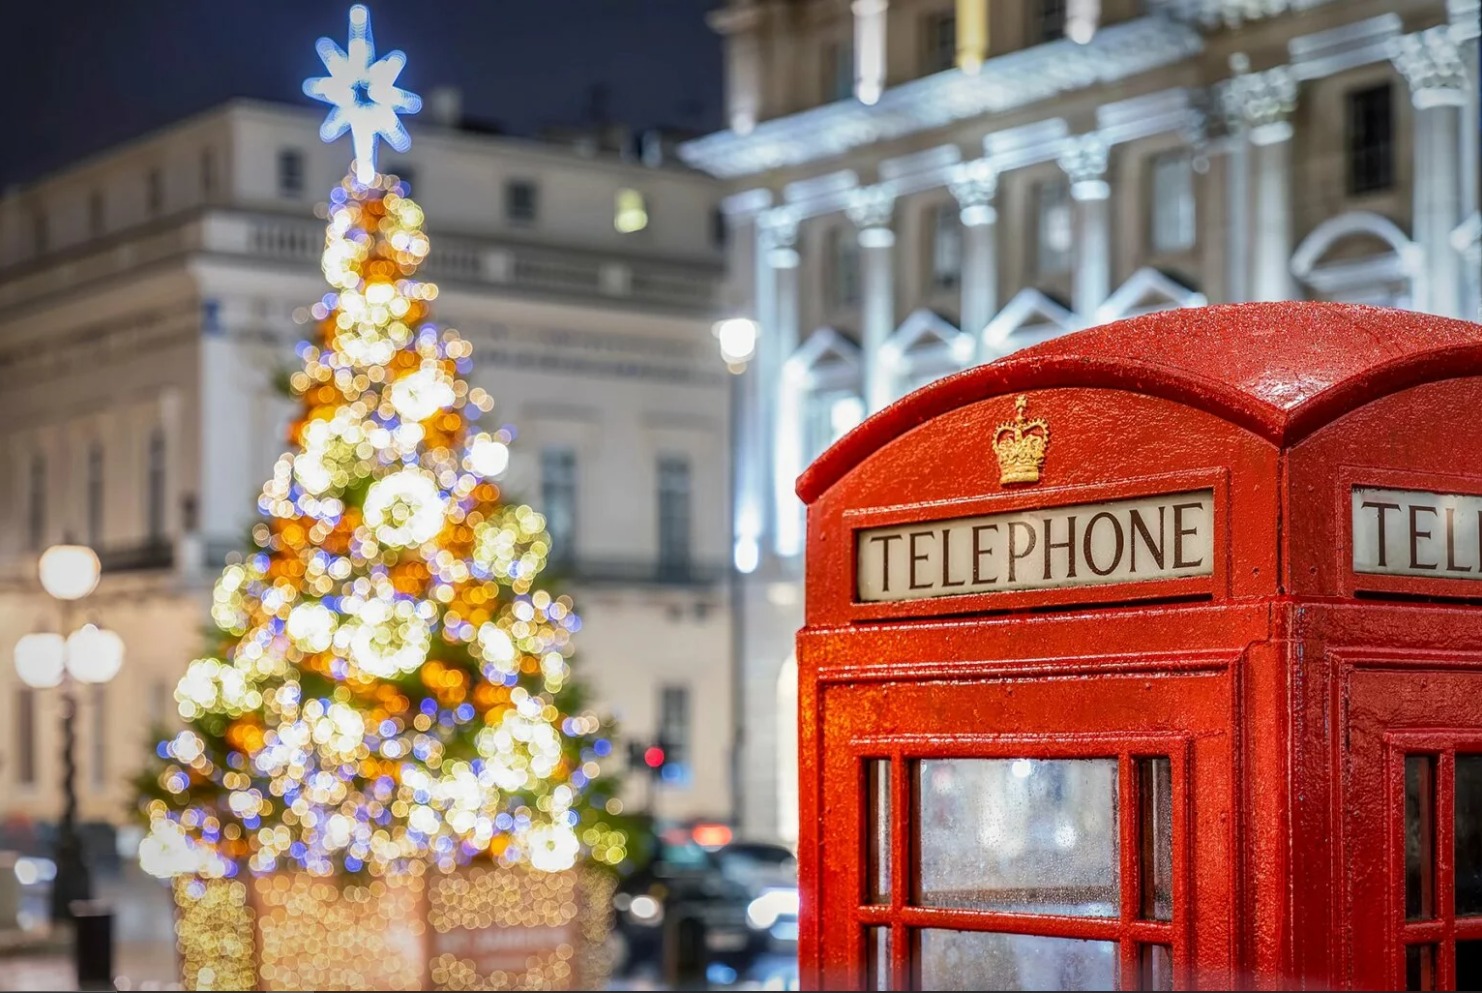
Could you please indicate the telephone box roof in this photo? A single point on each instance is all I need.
(1280, 370)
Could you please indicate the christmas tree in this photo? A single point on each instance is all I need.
(392, 687)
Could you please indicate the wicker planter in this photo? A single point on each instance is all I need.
(479, 928)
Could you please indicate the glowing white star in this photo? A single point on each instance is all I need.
(364, 94)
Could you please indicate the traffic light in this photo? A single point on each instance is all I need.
(654, 757)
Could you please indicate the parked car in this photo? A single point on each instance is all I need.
(722, 916)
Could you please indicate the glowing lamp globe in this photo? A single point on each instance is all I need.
(69, 572)
(39, 659)
(737, 337)
(94, 654)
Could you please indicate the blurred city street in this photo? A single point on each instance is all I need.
(740, 494)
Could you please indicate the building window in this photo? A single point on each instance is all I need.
(830, 415)
(674, 515)
(100, 737)
(154, 192)
(1172, 198)
(719, 229)
(161, 708)
(674, 724)
(210, 316)
(155, 483)
(95, 495)
(36, 504)
(843, 276)
(1052, 227)
(629, 214)
(521, 201)
(208, 173)
(1047, 21)
(96, 219)
(1371, 153)
(40, 232)
(946, 247)
(25, 737)
(939, 33)
(558, 500)
(838, 71)
(290, 172)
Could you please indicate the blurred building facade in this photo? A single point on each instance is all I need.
(151, 298)
(920, 185)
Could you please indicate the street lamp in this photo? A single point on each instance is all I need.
(89, 654)
(737, 338)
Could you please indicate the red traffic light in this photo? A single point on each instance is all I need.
(653, 757)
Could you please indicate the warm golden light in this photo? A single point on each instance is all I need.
(69, 572)
(39, 659)
(972, 34)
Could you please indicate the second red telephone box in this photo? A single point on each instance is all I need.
(1151, 658)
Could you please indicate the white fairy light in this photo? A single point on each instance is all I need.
(423, 393)
(486, 456)
(311, 626)
(363, 92)
(405, 508)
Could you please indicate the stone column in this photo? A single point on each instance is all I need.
(870, 209)
(778, 232)
(1431, 63)
(974, 184)
(748, 295)
(1237, 188)
(1084, 162)
(1257, 105)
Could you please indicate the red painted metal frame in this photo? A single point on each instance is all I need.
(1216, 583)
(1443, 929)
(1128, 929)
(1278, 370)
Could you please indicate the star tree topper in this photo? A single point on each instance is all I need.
(364, 94)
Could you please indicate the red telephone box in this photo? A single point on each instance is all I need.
(1151, 658)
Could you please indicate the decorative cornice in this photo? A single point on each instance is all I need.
(1232, 13)
(1153, 113)
(1014, 148)
(1430, 61)
(1348, 46)
(746, 203)
(1006, 82)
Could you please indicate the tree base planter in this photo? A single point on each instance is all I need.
(478, 928)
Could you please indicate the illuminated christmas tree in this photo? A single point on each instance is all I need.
(393, 686)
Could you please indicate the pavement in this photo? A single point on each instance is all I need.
(144, 947)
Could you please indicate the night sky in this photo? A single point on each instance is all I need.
(87, 74)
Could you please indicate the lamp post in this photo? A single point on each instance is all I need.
(43, 660)
(737, 338)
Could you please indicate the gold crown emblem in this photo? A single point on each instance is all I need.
(1020, 445)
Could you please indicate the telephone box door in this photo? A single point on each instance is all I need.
(1061, 850)
(1414, 782)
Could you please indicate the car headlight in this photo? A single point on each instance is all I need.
(30, 871)
(763, 912)
(645, 910)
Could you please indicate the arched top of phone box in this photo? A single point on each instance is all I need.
(1279, 370)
